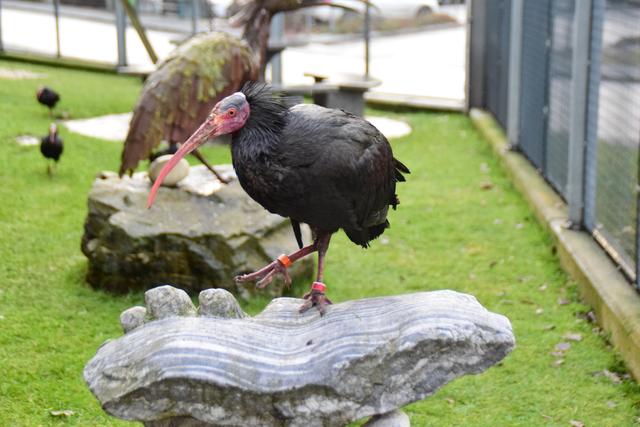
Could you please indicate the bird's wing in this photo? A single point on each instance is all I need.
(177, 97)
(336, 162)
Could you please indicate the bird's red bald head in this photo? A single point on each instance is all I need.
(228, 116)
(231, 113)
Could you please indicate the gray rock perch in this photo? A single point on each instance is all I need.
(200, 235)
(281, 368)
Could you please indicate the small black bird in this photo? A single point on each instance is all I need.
(323, 167)
(51, 146)
(47, 96)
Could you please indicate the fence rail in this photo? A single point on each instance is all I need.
(573, 97)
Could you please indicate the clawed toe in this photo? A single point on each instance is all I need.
(277, 269)
(316, 298)
(267, 274)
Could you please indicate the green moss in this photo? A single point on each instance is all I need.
(197, 68)
(204, 55)
(447, 233)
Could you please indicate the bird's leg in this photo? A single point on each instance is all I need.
(204, 161)
(280, 265)
(49, 170)
(316, 296)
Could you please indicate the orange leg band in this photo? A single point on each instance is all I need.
(285, 261)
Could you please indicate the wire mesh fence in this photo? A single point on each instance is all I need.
(602, 130)
(613, 194)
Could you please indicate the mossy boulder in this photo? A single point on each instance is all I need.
(198, 235)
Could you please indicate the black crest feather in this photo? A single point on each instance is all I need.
(268, 108)
(259, 93)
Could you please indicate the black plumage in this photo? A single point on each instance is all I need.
(48, 97)
(51, 146)
(323, 167)
(327, 168)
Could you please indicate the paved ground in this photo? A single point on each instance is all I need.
(114, 127)
(428, 64)
(34, 31)
(425, 64)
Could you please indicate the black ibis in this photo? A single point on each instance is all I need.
(327, 168)
(177, 96)
(51, 146)
(48, 97)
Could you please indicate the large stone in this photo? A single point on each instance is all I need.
(281, 368)
(219, 303)
(132, 318)
(198, 235)
(167, 301)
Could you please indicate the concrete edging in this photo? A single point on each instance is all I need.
(601, 284)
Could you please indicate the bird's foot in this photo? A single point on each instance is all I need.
(316, 298)
(267, 274)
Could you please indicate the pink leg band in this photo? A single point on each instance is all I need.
(319, 286)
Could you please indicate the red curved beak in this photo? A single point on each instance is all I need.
(206, 131)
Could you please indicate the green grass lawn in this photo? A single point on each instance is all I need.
(461, 225)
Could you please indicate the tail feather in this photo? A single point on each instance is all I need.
(376, 230)
(399, 169)
(362, 236)
(400, 166)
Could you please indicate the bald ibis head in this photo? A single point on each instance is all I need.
(53, 129)
(227, 116)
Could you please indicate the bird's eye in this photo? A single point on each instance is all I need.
(232, 112)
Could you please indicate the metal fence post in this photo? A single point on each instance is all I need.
(515, 63)
(56, 15)
(367, 39)
(467, 57)
(277, 31)
(637, 242)
(578, 112)
(121, 28)
(477, 39)
(593, 98)
(195, 15)
(308, 23)
(1, 45)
